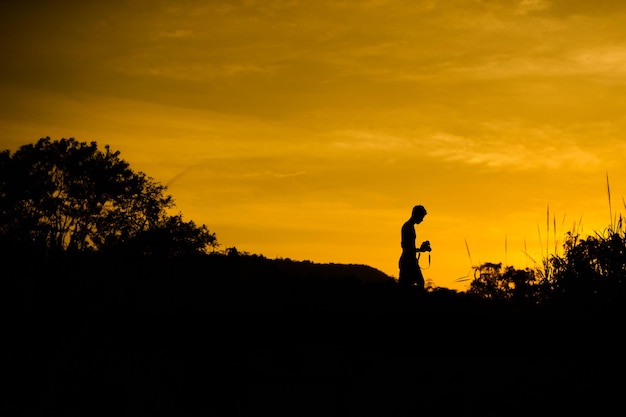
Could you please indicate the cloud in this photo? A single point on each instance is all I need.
(529, 6)
(495, 145)
(535, 150)
(234, 69)
(363, 140)
(607, 60)
(274, 174)
(177, 33)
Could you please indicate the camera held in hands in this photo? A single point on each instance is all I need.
(425, 246)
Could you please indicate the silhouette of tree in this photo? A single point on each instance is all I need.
(522, 285)
(590, 276)
(592, 271)
(487, 282)
(514, 285)
(68, 196)
(172, 238)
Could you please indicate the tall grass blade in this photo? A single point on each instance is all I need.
(506, 249)
(468, 253)
(526, 251)
(608, 191)
(554, 234)
(540, 240)
(547, 229)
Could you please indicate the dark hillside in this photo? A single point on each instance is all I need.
(242, 335)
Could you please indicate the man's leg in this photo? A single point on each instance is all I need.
(420, 282)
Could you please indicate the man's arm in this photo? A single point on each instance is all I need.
(425, 247)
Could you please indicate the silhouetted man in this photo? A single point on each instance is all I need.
(410, 272)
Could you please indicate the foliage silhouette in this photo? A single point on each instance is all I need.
(592, 272)
(588, 278)
(512, 285)
(66, 195)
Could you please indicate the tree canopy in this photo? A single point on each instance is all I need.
(66, 195)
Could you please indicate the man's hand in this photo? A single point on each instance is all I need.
(425, 247)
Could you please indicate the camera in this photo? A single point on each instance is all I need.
(425, 246)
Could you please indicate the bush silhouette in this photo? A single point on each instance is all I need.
(592, 272)
(589, 277)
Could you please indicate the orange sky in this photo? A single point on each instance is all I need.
(309, 129)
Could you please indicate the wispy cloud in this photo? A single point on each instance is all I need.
(177, 33)
(609, 60)
(529, 6)
(495, 146)
(537, 151)
(363, 140)
(602, 61)
(235, 69)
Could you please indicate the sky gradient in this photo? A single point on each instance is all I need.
(309, 129)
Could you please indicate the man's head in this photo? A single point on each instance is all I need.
(418, 213)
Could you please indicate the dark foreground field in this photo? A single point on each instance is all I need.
(245, 337)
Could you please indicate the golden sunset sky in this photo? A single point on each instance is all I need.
(309, 129)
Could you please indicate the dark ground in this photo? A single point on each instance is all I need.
(146, 343)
